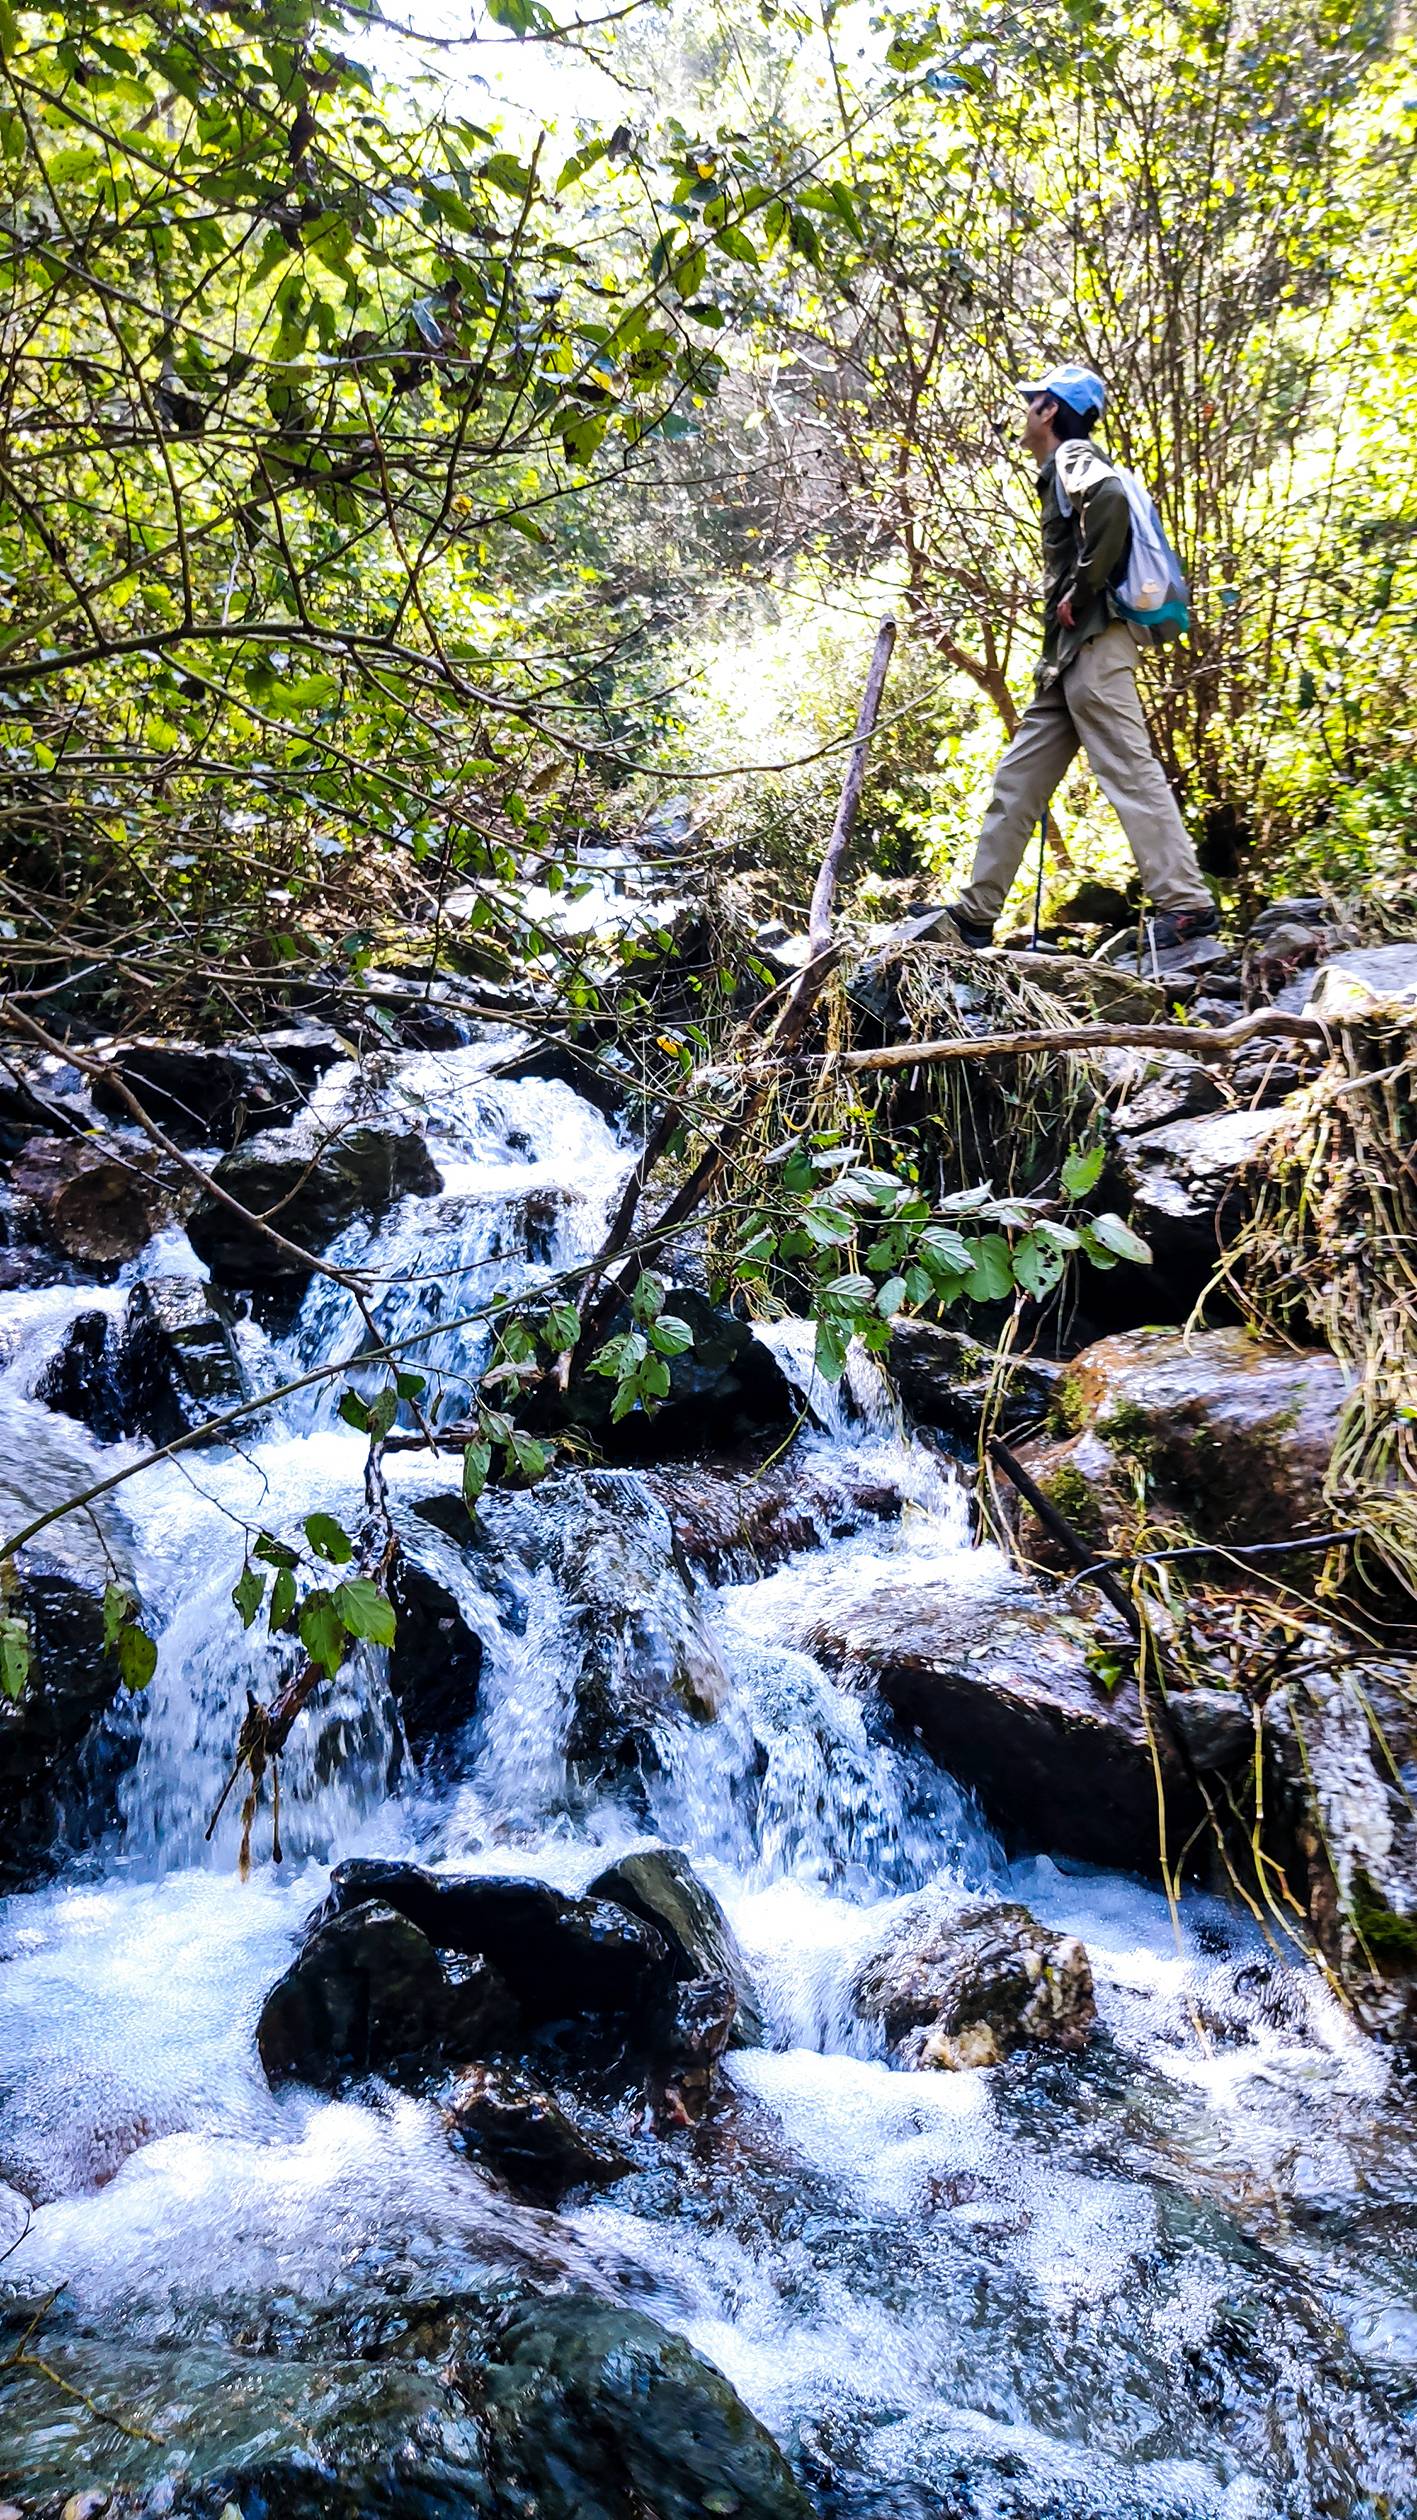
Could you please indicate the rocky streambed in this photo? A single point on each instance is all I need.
(714, 2041)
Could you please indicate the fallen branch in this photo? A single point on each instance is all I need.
(1215, 1042)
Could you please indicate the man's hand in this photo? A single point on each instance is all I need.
(1065, 612)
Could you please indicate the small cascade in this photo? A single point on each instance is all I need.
(1169, 2279)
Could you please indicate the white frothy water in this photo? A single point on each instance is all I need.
(986, 2293)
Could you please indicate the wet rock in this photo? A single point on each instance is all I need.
(1003, 1695)
(1234, 1434)
(559, 1956)
(728, 1528)
(203, 1095)
(700, 2032)
(947, 1380)
(661, 1887)
(508, 2404)
(594, 2409)
(167, 1366)
(1215, 1725)
(435, 1664)
(952, 1988)
(1093, 903)
(499, 2115)
(95, 1201)
(83, 1380)
(179, 1363)
(368, 1994)
(1153, 1093)
(1189, 1187)
(724, 1391)
(1364, 979)
(1287, 939)
(310, 1192)
(69, 1739)
(1341, 1763)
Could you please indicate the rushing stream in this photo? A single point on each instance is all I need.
(1174, 2276)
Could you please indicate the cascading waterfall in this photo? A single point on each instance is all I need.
(978, 2293)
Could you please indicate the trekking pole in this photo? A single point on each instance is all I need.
(1038, 887)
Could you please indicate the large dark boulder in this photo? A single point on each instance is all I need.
(952, 1987)
(368, 1994)
(169, 1364)
(660, 1886)
(83, 1378)
(560, 1956)
(65, 1745)
(1233, 1433)
(212, 1095)
(310, 1190)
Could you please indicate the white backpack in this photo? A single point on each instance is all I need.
(1151, 591)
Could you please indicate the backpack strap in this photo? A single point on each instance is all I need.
(1080, 466)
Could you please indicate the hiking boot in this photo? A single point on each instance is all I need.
(926, 924)
(1181, 927)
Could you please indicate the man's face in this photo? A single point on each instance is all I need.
(1035, 435)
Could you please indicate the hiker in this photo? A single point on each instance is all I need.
(1086, 690)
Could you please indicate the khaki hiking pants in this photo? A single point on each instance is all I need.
(1094, 704)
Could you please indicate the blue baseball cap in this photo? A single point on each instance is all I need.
(1076, 386)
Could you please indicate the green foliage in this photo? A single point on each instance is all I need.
(126, 1638)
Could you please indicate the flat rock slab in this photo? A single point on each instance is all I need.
(1235, 1432)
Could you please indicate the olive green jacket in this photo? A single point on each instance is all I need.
(1084, 550)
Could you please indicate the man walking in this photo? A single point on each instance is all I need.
(1086, 689)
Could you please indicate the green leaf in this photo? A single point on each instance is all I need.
(891, 1298)
(282, 1601)
(364, 1610)
(1117, 1237)
(274, 1552)
(248, 1593)
(354, 1412)
(991, 1275)
(1083, 1170)
(1037, 1265)
(322, 1630)
(562, 1328)
(941, 1248)
(118, 1609)
(532, 1459)
(383, 1409)
(137, 1657)
(829, 1353)
(410, 1386)
(476, 1469)
(647, 1301)
(670, 1335)
(14, 1654)
(329, 1538)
